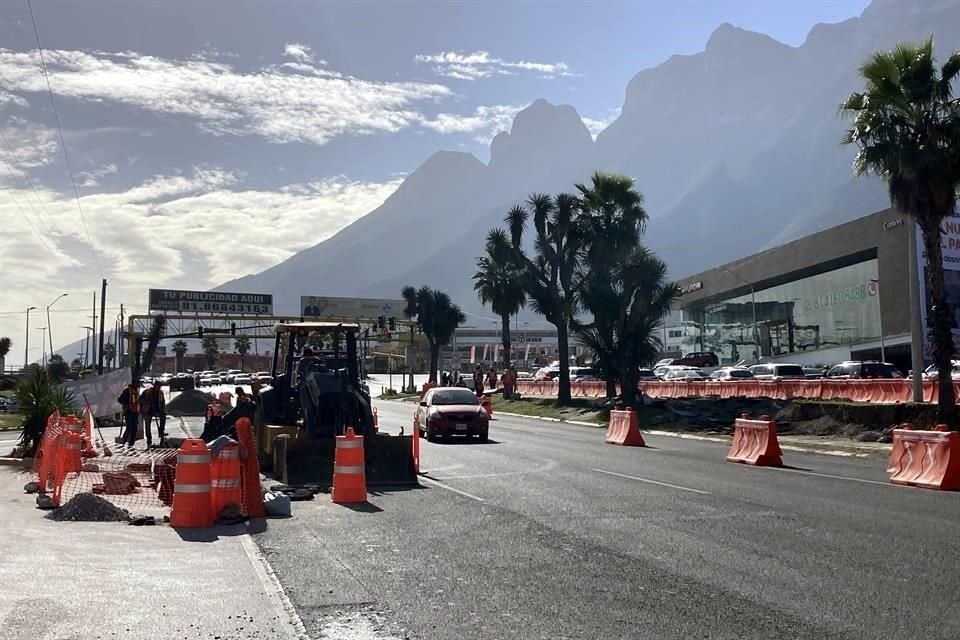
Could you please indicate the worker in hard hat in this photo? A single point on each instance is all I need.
(129, 400)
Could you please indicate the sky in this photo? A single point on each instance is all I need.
(209, 140)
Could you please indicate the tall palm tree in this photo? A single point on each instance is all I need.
(5, 344)
(548, 276)
(437, 316)
(211, 347)
(242, 345)
(109, 353)
(498, 282)
(179, 349)
(906, 126)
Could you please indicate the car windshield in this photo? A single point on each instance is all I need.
(789, 370)
(740, 373)
(453, 396)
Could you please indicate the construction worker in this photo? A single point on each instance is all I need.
(130, 402)
(158, 410)
(308, 363)
(146, 414)
(478, 380)
(492, 379)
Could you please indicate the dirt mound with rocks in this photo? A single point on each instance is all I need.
(189, 403)
(86, 507)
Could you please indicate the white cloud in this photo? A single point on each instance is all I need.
(25, 145)
(599, 123)
(300, 52)
(480, 64)
(154, 234)
(92, 178)
(294, 102)
(485, 122)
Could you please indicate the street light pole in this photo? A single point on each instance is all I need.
(26, 341)
(86, 356)
(49, 325)
(43, 341)
(883, 351)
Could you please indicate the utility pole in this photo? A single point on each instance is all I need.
(26, 341)
(103, 317)
(916, 323)
(120, 339)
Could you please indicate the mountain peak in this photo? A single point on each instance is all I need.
(539, 132)
(728, 39)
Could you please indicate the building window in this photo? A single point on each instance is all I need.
(675, 333)
(823, 311)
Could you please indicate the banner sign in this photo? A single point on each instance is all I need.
(101, 391)
(950, 247)
(203, 302)
(352, 308)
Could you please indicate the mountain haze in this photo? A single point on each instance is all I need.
(736, 149)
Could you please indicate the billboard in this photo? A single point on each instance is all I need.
(950, 247)
(204, 302)
(350, 308)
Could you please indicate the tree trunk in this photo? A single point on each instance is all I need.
(434, 361)
(940, 329)
(179, 363)
(628, 376)
(611, 384)
(505, 335)
(241, 361)
(563, 346)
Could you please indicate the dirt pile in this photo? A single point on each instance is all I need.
(189, 403)
(86, 507)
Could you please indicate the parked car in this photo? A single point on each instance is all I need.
(666, 362)
(683, 373)
(812, 373)
(932, 374)
(449, 411)
(731, 373)
(547, 373)
(698, 359)
(777, 371)
(242, 378)
(524, 375)
(581, 374)
(231, 375)
(209, 381)
(646, 375)
(8, 404)
(853, 369)
(263, 377)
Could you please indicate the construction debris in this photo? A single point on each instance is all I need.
(86, 507)
(189, 403)
(31, 487)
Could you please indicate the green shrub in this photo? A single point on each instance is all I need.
(38, 396)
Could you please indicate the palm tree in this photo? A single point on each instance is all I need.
(437, 316)
(109, 353)
(5, 344)
(242, 345)
(548, 277)
(210, 349)
(906, 126)
(498, 282)
(179, 349)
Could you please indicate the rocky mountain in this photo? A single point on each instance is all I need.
(736, 149)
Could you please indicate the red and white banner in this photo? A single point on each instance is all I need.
(473, 354)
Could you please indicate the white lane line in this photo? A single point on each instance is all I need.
(437, 483)
(657, 482)
(827, 475)
(550, 465)
(274, 590)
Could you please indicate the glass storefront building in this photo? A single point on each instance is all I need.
(837, 307)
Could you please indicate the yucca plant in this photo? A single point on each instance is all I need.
(38, 396)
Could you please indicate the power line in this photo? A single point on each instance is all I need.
(33, 228)
(63, 144)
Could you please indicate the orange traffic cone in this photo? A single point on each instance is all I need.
(349, 474)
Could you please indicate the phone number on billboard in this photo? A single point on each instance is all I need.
(224, 307)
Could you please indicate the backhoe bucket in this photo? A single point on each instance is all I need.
(303, 461)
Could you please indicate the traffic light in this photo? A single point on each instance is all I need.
(381, 322)
(233, 328)
(200, 332)
(393, 324)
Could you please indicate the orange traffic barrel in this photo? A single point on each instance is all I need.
(487, 405)
(191, 489)
(225, 487)
(250, 470)
(349, 474)
(72, 461)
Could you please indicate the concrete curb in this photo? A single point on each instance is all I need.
(24, 463)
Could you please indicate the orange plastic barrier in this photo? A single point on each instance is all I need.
(48, 453)
(349, 470)
(929, 459)
(623, 429)
(755, 442)
(191, 494)
(250, 470)
(487, 405)
(225, 485)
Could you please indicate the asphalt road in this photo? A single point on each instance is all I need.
(547, 532)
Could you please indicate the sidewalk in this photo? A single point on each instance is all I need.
(84, 581)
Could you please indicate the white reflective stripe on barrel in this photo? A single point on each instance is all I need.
(73, 446)
(349, 444)
(191, 488)
(229, 453)
(349, 470)
(224, 484)
(193, 458)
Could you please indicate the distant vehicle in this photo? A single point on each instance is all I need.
(698, 359)
(812, 373)
(242, 378)
(8, 404)
(853, 369)
(547, 373)
(732, 373)
(209, 381)
(683, 373)
(263, 377)
(666, 362)
(581, 374)
(931, 372)
(231, 375)
(449, 411)
(646, 375)
(524, 375)
(777, 371)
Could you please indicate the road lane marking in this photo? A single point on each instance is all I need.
(437, 483)
(274, 591)
(657, 482)
(827, 475)
(549, 466)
